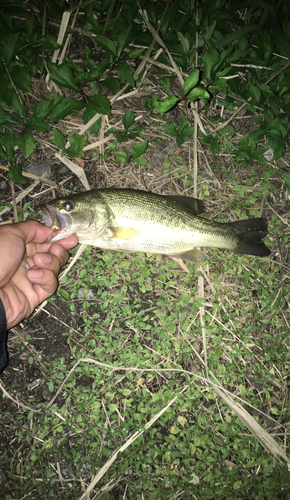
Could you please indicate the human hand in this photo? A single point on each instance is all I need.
(29, 267)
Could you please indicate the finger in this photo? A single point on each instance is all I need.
(13, 244)
(49, 261)
(67, 243)
(32, 231)
(45, 282)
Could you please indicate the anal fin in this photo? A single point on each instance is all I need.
(195, 255)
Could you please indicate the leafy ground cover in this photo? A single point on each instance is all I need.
(138, 379)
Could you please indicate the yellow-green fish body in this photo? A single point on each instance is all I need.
(138, 221)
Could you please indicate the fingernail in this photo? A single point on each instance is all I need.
(46, 258)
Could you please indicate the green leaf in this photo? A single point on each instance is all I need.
(171, 129)
(123, 40)
(7, 20)
(111, 83)
(19, 106)
(139, 149)
(62, 75)
(140, 160)
(135, 53)
(84, 76)
(97, 69)
(126, 392)
(255, 93)
(48, 43)
(198, 93)
(88, 114)
(48, 472)
(107, 44)
(42, 109)
(191, 81)
(95, 105)
(265, 88)
(15, 174)
(128, 119)
(184, 42)
(258, 154)
(184, 132)
(5, 93)
(35, 124)
(279, 151)
(229, 39)
(126, 72)
(282, 130)
(286, 178)
(242, 390)
(184, 124)
(58, 138)
(77, 143)
(10, 47)
(166, 84)
(122, 157)
(7, 143)
(29, 417)
(134, 130)
(26, 143)
(167, 104)
(121, 137)
(20, 76)
(100, 104)
(215, 147)
(278, 36)
(148, 104)
(30, 25)
(184, 135)
(95, 87)
(210, 30)
(210, 60)
(276, 141)
(6, 118)
(64, 107)
(219, 85)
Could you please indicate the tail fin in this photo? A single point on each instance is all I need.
(250, 233)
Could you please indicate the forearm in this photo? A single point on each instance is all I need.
(3, 339)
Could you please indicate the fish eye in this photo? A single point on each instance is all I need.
(68, 205)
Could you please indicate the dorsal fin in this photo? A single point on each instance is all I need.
(193, 205)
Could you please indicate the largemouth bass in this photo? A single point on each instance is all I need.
(138, 221)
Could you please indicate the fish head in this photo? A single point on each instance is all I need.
(78, 214)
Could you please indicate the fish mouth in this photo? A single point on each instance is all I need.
(58, 222)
